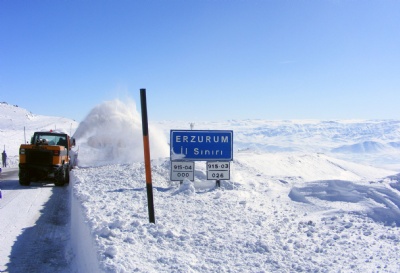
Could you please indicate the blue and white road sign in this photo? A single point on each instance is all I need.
(201, 145)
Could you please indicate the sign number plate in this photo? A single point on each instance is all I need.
(181, 170)
(218, 170)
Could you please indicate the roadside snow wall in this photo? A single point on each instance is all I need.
(82, 241)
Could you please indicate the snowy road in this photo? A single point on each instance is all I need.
(35, 235)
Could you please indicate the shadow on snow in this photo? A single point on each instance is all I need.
(43, 247)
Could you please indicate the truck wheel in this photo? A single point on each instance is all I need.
(60, 176)
(67, 174)
(24, 178)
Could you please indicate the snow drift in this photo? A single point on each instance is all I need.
(259, 221)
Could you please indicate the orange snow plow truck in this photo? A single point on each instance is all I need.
(47, 159)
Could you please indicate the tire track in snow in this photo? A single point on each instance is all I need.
(44, 247)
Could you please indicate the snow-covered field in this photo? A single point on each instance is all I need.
(304, 196)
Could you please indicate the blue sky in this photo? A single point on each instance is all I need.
(203, 59)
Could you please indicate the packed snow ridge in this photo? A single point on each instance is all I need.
(295, 201)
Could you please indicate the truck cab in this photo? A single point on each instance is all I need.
(48, 157)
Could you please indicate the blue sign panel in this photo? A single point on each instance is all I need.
(199, 145)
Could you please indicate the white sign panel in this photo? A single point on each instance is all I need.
(181, 170)
(218, 170)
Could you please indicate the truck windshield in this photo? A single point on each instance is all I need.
(49, 139)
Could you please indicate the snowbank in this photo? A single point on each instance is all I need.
(82, 241)
(290, 210)
(253, 223)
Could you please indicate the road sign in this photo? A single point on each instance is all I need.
(201, 145)
(217, 170)
(181, 170)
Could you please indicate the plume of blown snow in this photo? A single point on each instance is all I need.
(112, 134)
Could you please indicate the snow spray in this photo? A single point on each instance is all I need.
(112, 134)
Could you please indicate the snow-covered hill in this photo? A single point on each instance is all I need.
(291, 204)
(17, 125)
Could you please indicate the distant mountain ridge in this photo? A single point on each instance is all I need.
(372, 137)
(356, 130)
(364, 147)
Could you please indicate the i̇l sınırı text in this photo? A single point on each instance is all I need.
(197, 151)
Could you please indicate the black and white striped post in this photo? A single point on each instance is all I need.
(146, 146)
